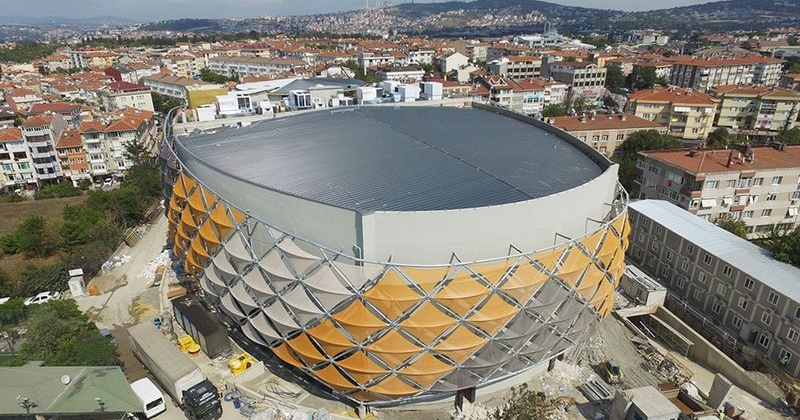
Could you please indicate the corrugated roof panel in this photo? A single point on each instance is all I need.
(398, 158)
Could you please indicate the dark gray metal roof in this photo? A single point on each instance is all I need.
(408, 158)
(305, 84)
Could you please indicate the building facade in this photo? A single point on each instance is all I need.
(586, 80)
(686, 113)
(195, 92)
(15, 160)
(516, 67)
(703, 74)
(751, 299)
(758, 108)
(72, 156)
(121, 95)
(755, 184)
(604, 132)
(41, 134)
(251, 66)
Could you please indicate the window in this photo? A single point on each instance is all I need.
(665, 273)
(743, 303)
(772, 197)
(726, 271)
(620, 137)
(681, 282)
(701, 277)
(776, 180)
(698, 294)
(766, 318)
(792, 335)
(758, 182)
(690, 249)
(721, 289)
(766, 212)
(784, 357)
(668, 256)
(737, 322)
(748, 214)
(710, 185)
(716, 307)
(731, 183)
(797, 313)
(642, 236)
(772, 298)
(707, 259)
(763, 340)
(748, 284)
(745, 183)
(637, 253)
(685, 265)
(654, 247)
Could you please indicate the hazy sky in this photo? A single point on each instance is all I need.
(151, 10)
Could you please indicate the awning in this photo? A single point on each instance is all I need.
(708, 202)
(727, 201)
(793, 211)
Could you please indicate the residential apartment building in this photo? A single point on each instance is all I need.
(379, 59)
(121, 95)
(451, 62)
(19, 99)
(70, 112)
(183, 65)
(728, 287)
(252, 66)
(586, 80)
(133, 72)
(604, 132)
(758, 185)
(72, 157)
(791, 81)
(92, 58)
(41, 133)
(759, 108)
(527, 96)
(516, 67)
(195, 92)
(55, 62)
(105, 142)
(400, 73)
(686, 113)
(703, 74)
(419, 55)
(93, 138)
(16, 164)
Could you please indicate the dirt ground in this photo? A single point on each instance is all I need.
(12, 214)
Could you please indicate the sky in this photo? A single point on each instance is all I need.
(154, 10)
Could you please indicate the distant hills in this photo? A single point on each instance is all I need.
(95, 21)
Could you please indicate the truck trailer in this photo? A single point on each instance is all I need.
(178, 375)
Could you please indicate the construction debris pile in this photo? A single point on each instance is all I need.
(665, 367)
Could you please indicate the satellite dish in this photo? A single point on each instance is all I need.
(65, 379)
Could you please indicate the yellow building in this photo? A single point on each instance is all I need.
(686, 113)
(195, 92)
(760, 108)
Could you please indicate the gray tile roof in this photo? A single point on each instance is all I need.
(751, 259)
(409, 158)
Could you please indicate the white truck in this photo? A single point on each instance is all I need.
(178, 375)
(150, 397)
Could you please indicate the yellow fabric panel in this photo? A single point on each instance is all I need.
(192, 266)
(549, 258)
(461, 305)
(196, 200)
(525, 281)
(333, 378)
(427, 322)
(393, 348)
(186, 218)
(426, 278)
(610, 244)
(220, 217)
(493, 315)
(394, 387)
(179, 189)
(462, 293)
(197, 247)
(283, 353)
(492, 271)
(591, 241)
(575, 262)
(238, 217)
(604, 292)
(331, 339)
(359, 321)
(591, 281)
(391, 295)
(305, 348)
(177, 249)
(425, 365)
(174, 205)
(359, 362)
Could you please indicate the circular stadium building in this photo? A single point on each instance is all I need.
(400, 253)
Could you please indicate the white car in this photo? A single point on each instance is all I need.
(42, 298)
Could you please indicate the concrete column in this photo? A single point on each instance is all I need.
(719, 392)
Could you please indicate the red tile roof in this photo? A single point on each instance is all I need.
(603, 122)
(93, 126)
(716, 160)
(673, 95)
(756, 90)
(39, 120)
(10, 134)
(57, 107)
(69, 139)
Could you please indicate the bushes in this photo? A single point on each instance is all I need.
(60, 190)
(35, 237)
(38, 279)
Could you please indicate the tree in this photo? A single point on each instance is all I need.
(610, 103)
(523, 404)
(209, 76)
(789, 136)
(784, 244)
(643, 78)
(648, 140)
(35, 238)
(428, 68)
(60, 335)
(718, 138)
(136, 151)
(163, 103)
(37, 279)
(554, 110)
(614, 78)
(734, 226)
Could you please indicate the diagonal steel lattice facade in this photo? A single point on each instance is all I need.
(383, 333)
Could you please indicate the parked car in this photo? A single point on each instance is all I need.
(108, 182)
(42, 298)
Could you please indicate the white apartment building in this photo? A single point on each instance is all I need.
(419, 55)
(586, 80)
(41, 134)
(93, 138)
(759, 185)
(252, 66)
(686, 113)
(760, 108)
(528, 96)
(16, 164)
(516, 67)
(703, 74)
(121, 95)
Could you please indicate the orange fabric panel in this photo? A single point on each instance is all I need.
(331, 376)
(591, 241)
(460, 344)
(493, 315)
(427, 322)
(394, 387)
(591, 281)
(427, 364)
(493, 272)
(359, 321)
(238, 217)
(573, 266)
(305, 348)
(220, 217)
(391, 295)
(196, 200)
(549, 258)
(360, 363)
(330, 339)
(283, 353)
(186, 218)
(197, 247)
(462, 293)
(179, 189)
(525, 281)
(393, 348)
(426, 278)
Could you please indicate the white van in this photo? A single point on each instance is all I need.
(150, 397)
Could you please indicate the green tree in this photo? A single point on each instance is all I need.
(610, 103)
(136, 151)
(789, 136)
(734, 226)
(428, 68)
(13, 312)
(718, 138)
(60, 335)
(163, 103)
(79, 224)
(554, 110)
(614, 78)
(35, 237)
(42, 278)
(643, 78)
(209, 76)
(523, 404)
(648, 140)
(784, 244)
